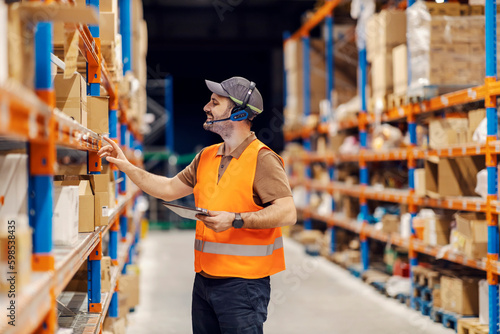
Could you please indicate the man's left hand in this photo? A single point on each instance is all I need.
(218, 221)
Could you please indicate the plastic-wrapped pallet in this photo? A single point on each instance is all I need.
(444, 50)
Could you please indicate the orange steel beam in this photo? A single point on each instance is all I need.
(319, 16)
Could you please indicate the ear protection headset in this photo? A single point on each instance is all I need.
(239, 113)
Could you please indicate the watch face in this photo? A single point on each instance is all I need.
(238, 223)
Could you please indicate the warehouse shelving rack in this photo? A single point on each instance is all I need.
(31, 117)
(491, 206)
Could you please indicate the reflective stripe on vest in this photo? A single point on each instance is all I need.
(238, 250)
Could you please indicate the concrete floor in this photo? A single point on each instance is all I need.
(313, 296)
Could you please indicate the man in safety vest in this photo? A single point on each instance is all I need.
(244, 186)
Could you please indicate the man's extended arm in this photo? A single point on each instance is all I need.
(280, 213)
(161, 187)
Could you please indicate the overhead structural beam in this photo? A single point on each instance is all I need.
(316, 19)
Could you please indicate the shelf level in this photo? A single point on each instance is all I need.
(336, 219)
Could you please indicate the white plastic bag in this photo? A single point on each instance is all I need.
(482, 183)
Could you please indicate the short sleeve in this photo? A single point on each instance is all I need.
(271, 181)
(188, 174)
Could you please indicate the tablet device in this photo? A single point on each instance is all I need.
(186, 212)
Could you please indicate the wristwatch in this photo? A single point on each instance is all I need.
(238, 221)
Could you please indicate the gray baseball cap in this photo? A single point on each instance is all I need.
(236, 88)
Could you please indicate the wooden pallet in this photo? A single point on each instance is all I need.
(448, 319)
(471, 326)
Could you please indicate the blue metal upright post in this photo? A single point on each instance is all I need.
(126, 32)
(169, 110)
(363, 168)
(94, 167)
(307, 111)
(42, 158)
(491, 160)
(330, 65)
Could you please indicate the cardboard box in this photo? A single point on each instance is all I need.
(14, 185)
(444, 132)
(436, 298)
(447, 9)
(106, 274)
(473, 234)
(129, 286)
(65, 215)
(108, 25)
(71, 97)
(475, 118)
(431, 177)
(85, 201)
(437, 231)
(22, 254)
(381, 71)
(420, 182)
(400, 69)
(108, 6)
(21, 48)
(112, 185)
(350, 207)
(390, 224)
(98, 108)
(460, 295)
(79, 281)
(385, 30)
(476, 10)
(484, 316)
(100, 187)
(458, 176)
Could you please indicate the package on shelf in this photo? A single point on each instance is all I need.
(484, 316)
(85, 201)
(129, 286)
(65, 214)
(14, 185)
(390, 223)
(100, 187)
(108, 27)
(475, 118)
(419, 182)
(294, 109)
(112, 185)
(15, 259)
(384, 31)
(460, 295)
(436, 227)
(436, 297)
(444, 132)
(386, 137)
(444, 49)
(400, 70)
(105, 274)
(4, 60)
(471, 235)
(115, 325)
(458, 176)
(108, 6)
(391, 255)
(382, 76)
(431, 176)
(347, 257)
(78, 282)
(20, 35)
(71, 97)
(140, 37)
(441, 9)
(97, 114)
(350, 207)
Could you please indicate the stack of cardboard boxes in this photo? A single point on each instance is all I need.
(14, 223)
(384, 31)
(446, 44)
(294, 67)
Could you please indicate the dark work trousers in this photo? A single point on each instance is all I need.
(230, 305)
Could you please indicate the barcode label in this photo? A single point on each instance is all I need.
(105, 211)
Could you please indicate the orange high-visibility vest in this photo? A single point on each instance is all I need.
(247, 253)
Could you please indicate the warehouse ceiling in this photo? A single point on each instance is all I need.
(216, 39)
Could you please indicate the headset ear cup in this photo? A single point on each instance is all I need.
(239, 115)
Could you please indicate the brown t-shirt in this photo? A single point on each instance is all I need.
(270, 182)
